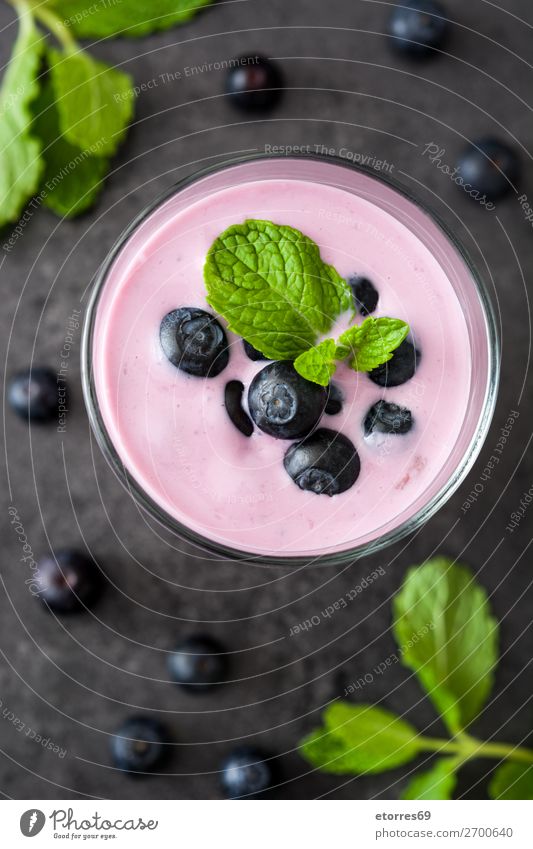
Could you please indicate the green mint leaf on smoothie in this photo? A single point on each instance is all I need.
(455, 658)
(360, 739)
(94, 101)
(73, 178)
(273, 288)
(318, 363)
(125, 17)
(512, 781)
(20, 151)
(439, 782)
(371, 343)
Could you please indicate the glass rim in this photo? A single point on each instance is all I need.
(354, 552)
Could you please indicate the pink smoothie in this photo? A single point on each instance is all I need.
(172, 431)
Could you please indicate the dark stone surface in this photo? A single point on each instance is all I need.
(74, 680)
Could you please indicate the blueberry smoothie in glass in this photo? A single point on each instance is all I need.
(290, 358)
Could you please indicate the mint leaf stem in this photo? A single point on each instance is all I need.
(21, 6)
(469, 748)
(56, 26)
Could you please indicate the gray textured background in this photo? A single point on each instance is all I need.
(75, 679)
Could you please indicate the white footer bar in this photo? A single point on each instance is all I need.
(298, 824)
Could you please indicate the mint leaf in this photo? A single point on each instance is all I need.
(94, 101)
(360, 739)
(455, 653)
(118, 17)
(270, 284)
(318, 363)
(371, 343)
(329, 753)
(20, 162)
(72, 178)
(439, 782)
(512, 781)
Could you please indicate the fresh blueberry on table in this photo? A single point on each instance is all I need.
(247, 772)
(365, 294)
(198, 664)
(140, 745)
(325, 463)
(490, 167)
(67, 581)
(399, 369)
(33, 395)
(418, 27)
(194, 341)
(252, 353)
(254, 84)
(384, 417)
(283, 404)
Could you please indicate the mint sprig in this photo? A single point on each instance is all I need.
(368, 345)
(272, 287)
(62, 119)
(448, 637)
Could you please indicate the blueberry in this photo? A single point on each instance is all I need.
(388, 418)
(194, 341)
(140, 745)
(284, 404)
(365, 294)
(67, 581)
(33, 394)
(252, 353)
(418, 27)
(198, 664)
(247, 772)
(399, 369)
(335, 400)
(489, 167)
(233, 403)
(325, 463)
(254, 84)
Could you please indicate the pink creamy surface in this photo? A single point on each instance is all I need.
(172, 431)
